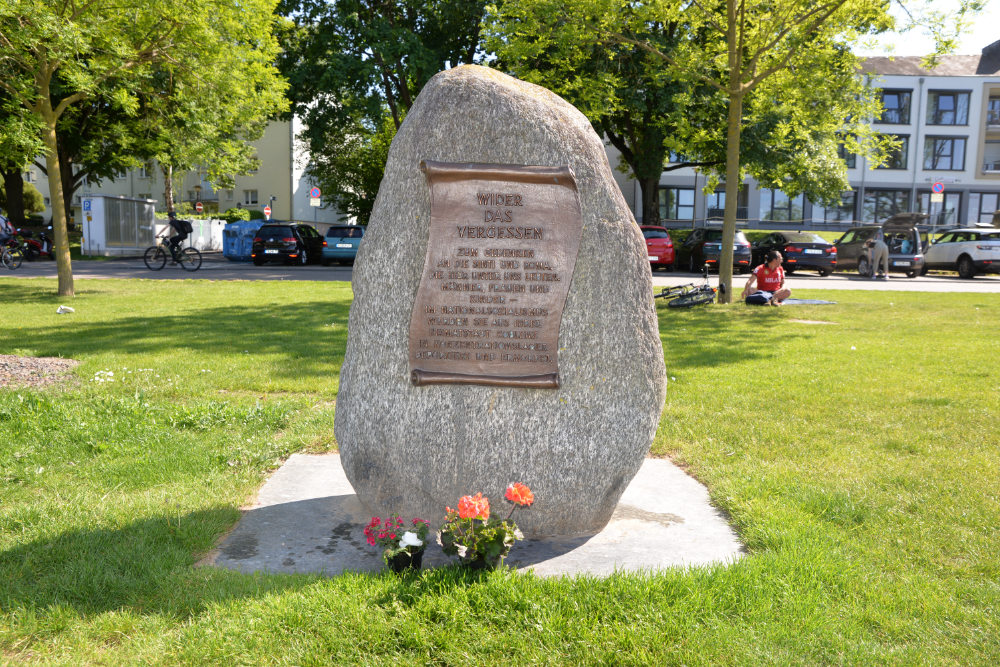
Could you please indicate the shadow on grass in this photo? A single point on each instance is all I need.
(706, 337)
(297, 337)
(138, 566)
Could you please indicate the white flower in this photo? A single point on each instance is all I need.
(410, 539)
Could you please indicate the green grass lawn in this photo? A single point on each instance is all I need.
(858, 458)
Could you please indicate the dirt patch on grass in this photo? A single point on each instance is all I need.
(34, 371)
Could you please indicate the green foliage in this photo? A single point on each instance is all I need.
(256, 215)
(236, 215)
(353, 64)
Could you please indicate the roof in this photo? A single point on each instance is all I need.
(986, 63)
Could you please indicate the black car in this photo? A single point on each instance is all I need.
(800, 250)
(291, 242)
(703, 246)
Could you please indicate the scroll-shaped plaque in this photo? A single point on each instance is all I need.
(500, 256)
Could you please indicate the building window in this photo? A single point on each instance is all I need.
(229, 195)
(896, 107)
(676, 203)
(982, 206)
(715, 203)
(993, 111)
(850, 159)
(842, 212)
(944, 153)
(145, 195)
(947, 108)
(943, 214)
(146, 170)
(31, 176)
(897, 158)
(776, 206)
(879, 205)
(250, 197)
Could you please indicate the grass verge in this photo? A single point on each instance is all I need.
(853, 446)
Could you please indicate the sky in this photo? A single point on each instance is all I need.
(984, 30)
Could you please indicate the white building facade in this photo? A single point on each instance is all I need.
(948, 122)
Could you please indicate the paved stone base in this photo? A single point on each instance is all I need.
(307, 519)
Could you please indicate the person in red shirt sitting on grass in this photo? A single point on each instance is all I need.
(770, 279)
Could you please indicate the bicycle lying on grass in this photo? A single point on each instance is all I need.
(156, 256)
(686, 296)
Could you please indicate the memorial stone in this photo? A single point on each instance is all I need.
(502, 327)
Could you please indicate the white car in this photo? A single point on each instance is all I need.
(968, 251)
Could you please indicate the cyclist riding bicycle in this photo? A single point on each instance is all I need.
(182, 227)
(6, 229)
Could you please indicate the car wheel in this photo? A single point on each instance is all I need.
(911, 274)
(669, 268)
(823, 273)
(923, 270)
(966, 269)
(790, 270)
(258, 261)
(863, 268)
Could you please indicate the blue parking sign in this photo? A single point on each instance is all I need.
(86, 204)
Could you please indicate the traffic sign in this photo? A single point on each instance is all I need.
(198, 207)
(315, 201)
(938, 187)
(267, 212)
(937, 197)
(314, 193)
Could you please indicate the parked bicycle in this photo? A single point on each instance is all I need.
(11, 256)
(686, 296)
(156, 256)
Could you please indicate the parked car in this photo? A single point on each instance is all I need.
(342, 243)
(968, 251)
(800, 250)
(659, 247)
(287, 242)
(904, 248)
(703, 246)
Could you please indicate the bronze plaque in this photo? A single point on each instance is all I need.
(503, 243)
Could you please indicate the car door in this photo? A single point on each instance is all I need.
(850, 246)
(937, 254)
(692, 244)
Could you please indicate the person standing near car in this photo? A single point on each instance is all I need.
(878, 257)
(770, 279)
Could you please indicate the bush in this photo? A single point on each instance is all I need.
(257, 215)
(236, 215)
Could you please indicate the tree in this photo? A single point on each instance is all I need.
(572, 48)
(19, 143)
(764, 53)
(354, 63)
(56, 54)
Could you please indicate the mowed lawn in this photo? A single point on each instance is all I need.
(854, 447)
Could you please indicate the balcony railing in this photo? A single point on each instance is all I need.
(991, 167)
(993, 119)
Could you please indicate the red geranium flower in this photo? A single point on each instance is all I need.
(520, 494)
(474, 507)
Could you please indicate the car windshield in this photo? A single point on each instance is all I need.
(346, 232)
(655, 234)
(802, 237)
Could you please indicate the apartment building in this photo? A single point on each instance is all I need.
(948, 122)
(280, 182)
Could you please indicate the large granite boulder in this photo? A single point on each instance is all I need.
(414, 449)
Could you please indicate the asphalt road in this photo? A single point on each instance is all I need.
(215, 267)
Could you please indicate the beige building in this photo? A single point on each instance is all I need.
(280, 182)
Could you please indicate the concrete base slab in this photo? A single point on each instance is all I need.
(308, 519)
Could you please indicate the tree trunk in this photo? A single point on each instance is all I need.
(168, 186)
(61, 240)
(649, 186)
(735, 125)
(68, 188)
(14, 188)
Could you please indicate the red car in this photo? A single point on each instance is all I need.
(659, 247)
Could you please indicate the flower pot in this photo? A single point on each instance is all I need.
(483, 563)
(405, 559)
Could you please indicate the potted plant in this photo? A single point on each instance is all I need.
(479, 541)
(401, 547)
